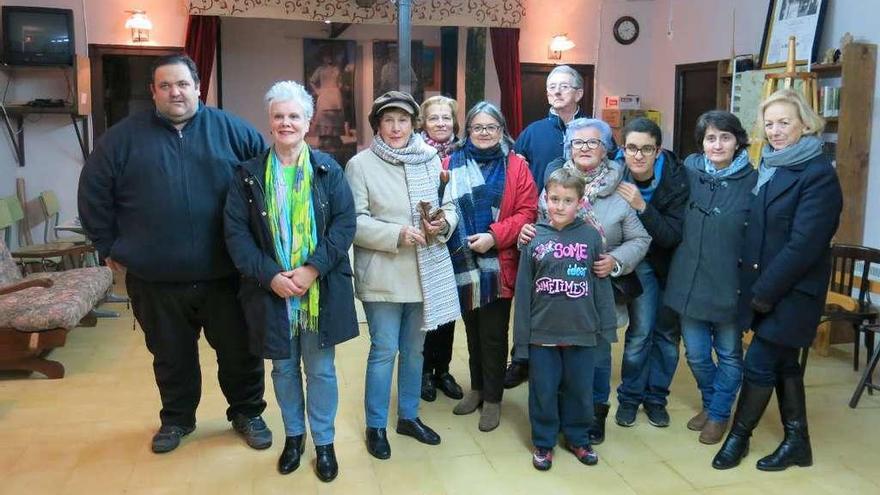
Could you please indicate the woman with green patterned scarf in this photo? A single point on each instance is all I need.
(289, 224)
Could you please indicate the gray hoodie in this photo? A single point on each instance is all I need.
(558, 300)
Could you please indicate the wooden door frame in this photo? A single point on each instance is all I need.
(679, 70)
(96, 57)
(588, 69)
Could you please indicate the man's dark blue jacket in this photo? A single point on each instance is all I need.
(151, 197)
(541, 143)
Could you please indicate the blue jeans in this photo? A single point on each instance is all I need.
(650, 350)
(602, 371)
(322, 395)
(395, 328)
(718, 383)
(559, 394)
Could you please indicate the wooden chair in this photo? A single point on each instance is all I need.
(844, 279)
(6, 222)
(51, 208)
(49, 255)
(866, 381)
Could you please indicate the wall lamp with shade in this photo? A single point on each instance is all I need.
(140, 26)
(559, 44)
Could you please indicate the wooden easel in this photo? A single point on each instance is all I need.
(786, 80)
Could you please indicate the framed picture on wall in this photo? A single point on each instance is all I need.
(802, 19)
(385, 65)
(329, 69)
(431, 68)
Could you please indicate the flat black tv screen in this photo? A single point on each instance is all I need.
(37, 36)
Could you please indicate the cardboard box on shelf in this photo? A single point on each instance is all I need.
(624, 102)
(619, 118)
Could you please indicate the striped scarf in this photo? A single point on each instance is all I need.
(291, 217)
(435, 269)
(476, 184)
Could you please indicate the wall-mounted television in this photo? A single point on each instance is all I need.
(37, 36)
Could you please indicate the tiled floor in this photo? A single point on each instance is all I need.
(90, 432)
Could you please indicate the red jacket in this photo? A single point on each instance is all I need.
(519, 206)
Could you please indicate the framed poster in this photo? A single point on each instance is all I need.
(385, 68)
(799, 18)
(329, 69)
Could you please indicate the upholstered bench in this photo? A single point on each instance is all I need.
(37, 311)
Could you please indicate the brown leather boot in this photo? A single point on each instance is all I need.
(713, 432)
(698, 422)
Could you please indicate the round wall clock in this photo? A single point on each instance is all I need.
(626, 30)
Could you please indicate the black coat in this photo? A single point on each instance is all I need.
(250, 245)
(786, 259)
(704, 277)
(663, 217)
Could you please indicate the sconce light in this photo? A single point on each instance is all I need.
(559, 44)
(140, 26)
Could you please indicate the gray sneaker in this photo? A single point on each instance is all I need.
(168, 437)
(657, 415)
(254, 430)
(626, 414)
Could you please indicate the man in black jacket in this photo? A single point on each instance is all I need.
(151, 199)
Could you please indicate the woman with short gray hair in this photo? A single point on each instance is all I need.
(289, 222)
(496, 196)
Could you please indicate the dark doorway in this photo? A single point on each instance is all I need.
(120, 81)
(696, 92)
(534, 89)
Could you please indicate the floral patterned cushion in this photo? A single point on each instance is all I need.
(9, 272)
(73, 295)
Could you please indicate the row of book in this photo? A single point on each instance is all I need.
(829, 101)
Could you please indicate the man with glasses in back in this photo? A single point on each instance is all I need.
(540, 143)
(151, 199)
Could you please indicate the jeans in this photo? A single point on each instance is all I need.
(650, 350)
(395, 328)
(487, 329)
(718, 383)
(172, 315)
(602, 370)
(322, 395)
(559, 394)
(766, 361)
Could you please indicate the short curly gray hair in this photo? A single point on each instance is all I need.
(585, 123)
(291, 91)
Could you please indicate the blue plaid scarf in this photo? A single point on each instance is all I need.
(476, 185)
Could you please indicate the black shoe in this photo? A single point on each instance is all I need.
(753, 400)
(168, 437)
(447, 384)
(377, 443)
(516, 373)
(293, 449)
(429, 389)
(325, 462)
(597, 429)
(418, 430)
(626, 414)
(254, 430)
(657, 415)
(795, 449)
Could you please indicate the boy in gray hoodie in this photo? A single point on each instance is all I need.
(559, 308)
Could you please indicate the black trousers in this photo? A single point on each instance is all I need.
(487, 330)
(438, 349)
(766, 361)
(172, 316)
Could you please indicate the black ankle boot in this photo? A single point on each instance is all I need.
(325, 462)
(597, 429)
(293, 449)
(795, 449)
(753, 400)
(377, 443)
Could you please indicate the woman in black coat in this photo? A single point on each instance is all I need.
(289, 223)
(784, 272)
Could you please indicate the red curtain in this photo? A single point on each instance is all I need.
(505, 51)
(201, 45)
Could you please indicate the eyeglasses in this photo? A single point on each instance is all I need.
(582, 144)
(647, 150)
(485, 129)
(562, 88)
